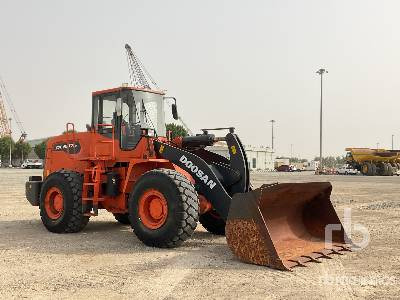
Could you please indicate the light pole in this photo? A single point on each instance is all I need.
(321, 73)
(272, 136)
(291, 151)
(10, 164)
(392, 141)
(377, 146)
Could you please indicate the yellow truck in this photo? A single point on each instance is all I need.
(372, 162)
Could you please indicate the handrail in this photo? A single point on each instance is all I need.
(72, 132)
(67, 127)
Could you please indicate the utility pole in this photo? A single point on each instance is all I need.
(321, 73)
(392, 141)
(272, 136)
(10, 164)
(291, 151)
(377, 145)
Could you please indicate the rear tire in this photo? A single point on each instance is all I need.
(381, 169)
(67, 216)
(368, 169)
(373, 170)
(213, 223)
(178, 215)
(389, 170)
(122, 218)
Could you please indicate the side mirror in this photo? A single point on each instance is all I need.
(118, 107)
(174, 111)
(174, 108)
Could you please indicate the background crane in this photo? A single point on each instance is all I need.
(5, 129)
(4, 125)
(140, 77)
(138, 74)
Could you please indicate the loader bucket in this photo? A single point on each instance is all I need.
(283, 225)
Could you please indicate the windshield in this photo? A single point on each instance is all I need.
(144, 108)
(139, 108)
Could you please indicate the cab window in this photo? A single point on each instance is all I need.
(104, 113)
(130, 123)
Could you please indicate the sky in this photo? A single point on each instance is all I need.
(229, 63)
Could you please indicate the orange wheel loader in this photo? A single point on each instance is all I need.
(128, 165)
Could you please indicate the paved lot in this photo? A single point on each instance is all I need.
(106, 260)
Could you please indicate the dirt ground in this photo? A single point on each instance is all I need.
(106, 260)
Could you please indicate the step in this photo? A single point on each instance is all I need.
(92, 199)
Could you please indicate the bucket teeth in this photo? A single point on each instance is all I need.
(312, 258)
(345, 248)
(323, 255)
(316, 256)
(336, 252)
(290, 264)
(298, 262)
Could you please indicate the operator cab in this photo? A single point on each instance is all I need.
(349, 155)
(125, 113)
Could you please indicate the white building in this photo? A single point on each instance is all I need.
(312, 165)
(259, 158)
(281, 161)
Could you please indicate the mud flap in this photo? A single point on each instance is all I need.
(283, 225)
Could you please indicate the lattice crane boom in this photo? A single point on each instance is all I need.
(140, 77)
(5, 95)
(138, 74)
(4, 125)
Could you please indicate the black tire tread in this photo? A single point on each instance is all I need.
(190, 211)
(122, 218)
(212, 224)
(77, 221)
(191, 207)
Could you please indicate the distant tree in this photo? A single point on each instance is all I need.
(40, 149)
(21, 147)
(5, 148)
(340, 160)
(297, 160)
(293, 159)
(331, 161)
(177, 130)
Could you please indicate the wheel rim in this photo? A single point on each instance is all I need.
(54, 203)
(153, 209)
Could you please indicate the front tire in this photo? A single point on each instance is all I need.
(213, 223)
(61, 202)
(368, 169)
(122, 218)
(163, 208)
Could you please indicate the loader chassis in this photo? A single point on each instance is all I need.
(118, 150)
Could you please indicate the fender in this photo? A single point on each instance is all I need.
(238, 161)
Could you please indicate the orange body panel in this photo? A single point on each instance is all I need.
(89, 152)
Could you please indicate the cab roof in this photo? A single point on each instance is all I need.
(124, 88)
